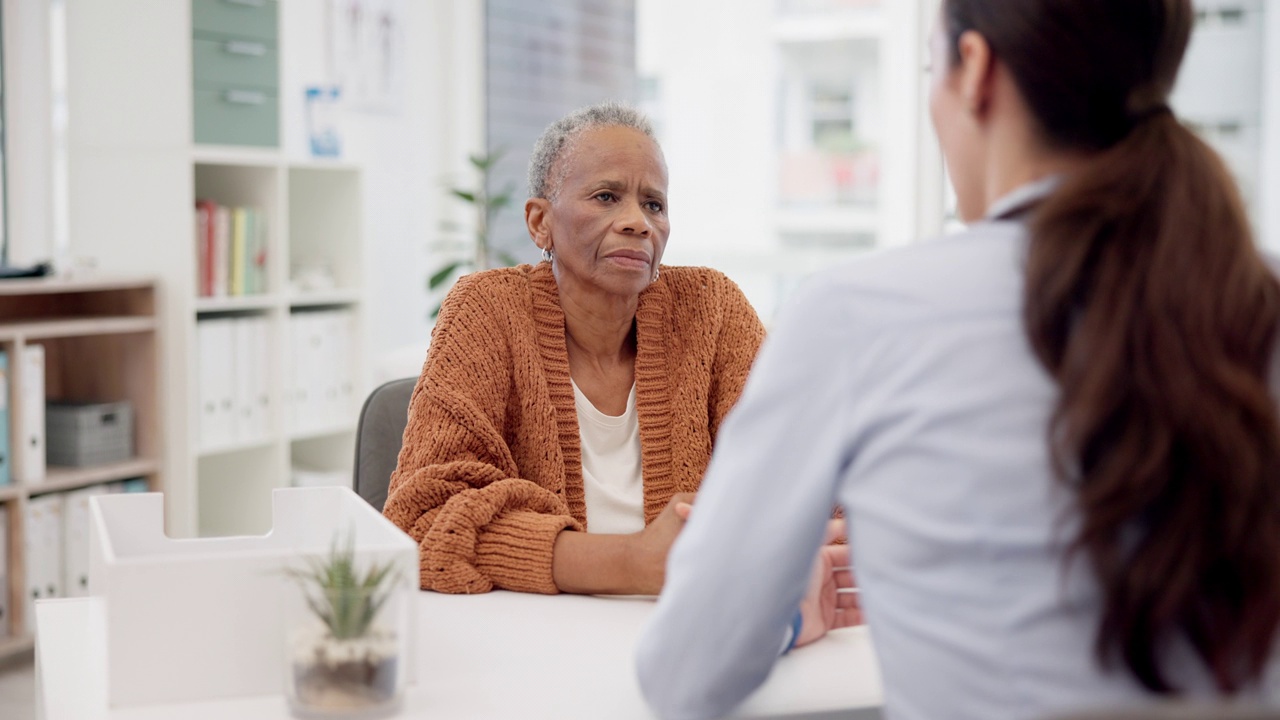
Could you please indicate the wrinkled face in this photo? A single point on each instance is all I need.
(955, 126)
(607, 225)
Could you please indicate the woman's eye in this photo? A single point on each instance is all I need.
(655, 206)
(606, 196)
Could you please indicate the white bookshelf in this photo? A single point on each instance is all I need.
(312, 212)
(134, 177)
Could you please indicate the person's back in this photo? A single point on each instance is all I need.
(1054, 434)
(959, 526)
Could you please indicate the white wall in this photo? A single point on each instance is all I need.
(27, 130)
(407, 157)
(1269, 197)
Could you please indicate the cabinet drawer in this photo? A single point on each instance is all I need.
(237, 116)
(242, 18)
(234, 62)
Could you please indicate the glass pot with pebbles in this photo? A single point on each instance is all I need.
(345, 641)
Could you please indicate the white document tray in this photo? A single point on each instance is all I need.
(199, 619)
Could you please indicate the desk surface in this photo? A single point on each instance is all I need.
(498, 655)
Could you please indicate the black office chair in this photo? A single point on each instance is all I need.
(378, 438)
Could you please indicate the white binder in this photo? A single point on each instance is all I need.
(262, 376)
(6, 617)
(43, 531)
(75, 540)
(214, 339)
(31, 452)
(244, 375)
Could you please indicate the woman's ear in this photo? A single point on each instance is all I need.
(537, 218)
(976, 72)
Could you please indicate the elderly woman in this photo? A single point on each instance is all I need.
(566, 411)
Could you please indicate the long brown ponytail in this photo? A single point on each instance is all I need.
(1149, 305)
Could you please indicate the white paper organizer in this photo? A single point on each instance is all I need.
(198, 619)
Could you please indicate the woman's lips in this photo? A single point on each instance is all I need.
(630, 259)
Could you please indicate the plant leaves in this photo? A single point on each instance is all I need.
(507, 258)
(464, 194)
(444, 274)
(436, 312)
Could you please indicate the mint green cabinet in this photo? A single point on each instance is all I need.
(250, 63)
(256, 19)
(235, 72)
(237, 117)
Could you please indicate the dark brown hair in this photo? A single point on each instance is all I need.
(1148, 304)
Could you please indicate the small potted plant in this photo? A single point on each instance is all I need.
(344, 653)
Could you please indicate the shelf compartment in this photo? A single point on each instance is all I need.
(237, 447)
(58, 479)
(323, 432)
(232, 304)
(79, 327)
(233, 155)
(15, 646)
(328, 297)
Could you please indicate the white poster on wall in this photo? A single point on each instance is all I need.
(366, 49)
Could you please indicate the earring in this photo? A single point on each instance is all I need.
(546, 255)
(655, 274)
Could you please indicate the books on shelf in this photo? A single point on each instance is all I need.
(231, 250)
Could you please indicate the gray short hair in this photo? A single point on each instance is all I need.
(558, 138)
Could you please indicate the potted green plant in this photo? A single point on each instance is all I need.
(486, 207)
(344, 651)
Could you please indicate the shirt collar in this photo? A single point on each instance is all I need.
(1023, 198)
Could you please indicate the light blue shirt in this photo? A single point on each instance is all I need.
(902, 387)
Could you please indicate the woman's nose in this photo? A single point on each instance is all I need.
(635, 221)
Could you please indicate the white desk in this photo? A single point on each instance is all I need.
(500, 655)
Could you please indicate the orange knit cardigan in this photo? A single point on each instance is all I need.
(491, 469)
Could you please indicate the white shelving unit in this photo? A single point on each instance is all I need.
(135, 175)
(100, 343)
(312, 212)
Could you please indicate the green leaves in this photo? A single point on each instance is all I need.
(444, 273)
(336, 592)
(464, 194)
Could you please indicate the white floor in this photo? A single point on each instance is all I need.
(18, 690)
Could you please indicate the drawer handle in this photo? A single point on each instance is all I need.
(245, 97)
(240, 47)
(246, 3)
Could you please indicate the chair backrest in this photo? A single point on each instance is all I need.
(378, 438)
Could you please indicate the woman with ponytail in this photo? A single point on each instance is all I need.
(1055, 434)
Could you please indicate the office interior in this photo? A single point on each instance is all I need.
(246, 224)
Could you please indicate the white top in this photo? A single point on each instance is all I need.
(901, 386)
(612, 478)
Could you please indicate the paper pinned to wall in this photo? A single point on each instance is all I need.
(366, 52)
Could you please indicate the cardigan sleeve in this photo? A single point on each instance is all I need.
(456, 488)
(741, 334)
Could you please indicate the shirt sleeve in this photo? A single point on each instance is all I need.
(736, 574)
(456, 488)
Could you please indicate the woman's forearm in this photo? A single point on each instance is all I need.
(590, 564)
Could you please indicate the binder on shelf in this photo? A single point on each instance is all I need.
(75, 540)
(30, 454)
(5, 576)
(43, 538)
(249, 376)
(206, 231)
(6, 456)
(239, 231)
(216, 389)
(221, 250)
